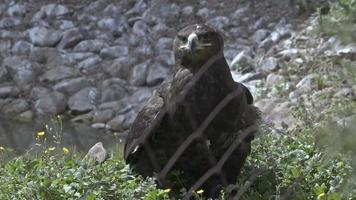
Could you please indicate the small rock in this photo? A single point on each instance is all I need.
(38, 92)
(70, 86)
(140, 28)
(259, 35)
(139, 74)
(269, 64)
(204, 13)
(102, 116)
(274, 79)
(59, 73)
(17, 10)
(308, 82)
(51, 11)
(22, 48)
(219, 22)
(121, 67)
(157, 74)
(15, 107)
(97, 153)
(164, 43)
(51, 103)
(99, 125)
(8, 22)
(166, 58)
(9, 91)
(187, 11)
(70, 38)
(44, 37)
(114, 52)
(91, 46)
(84, 100)
(117, 124)
(112, 92)
(21, 71)
(90, 65)
(345, 92)
(242, 61)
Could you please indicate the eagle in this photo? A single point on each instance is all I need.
(195, 131)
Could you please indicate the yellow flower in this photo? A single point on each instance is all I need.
(65, 150)
(2, 148)
(51, 148)
(167, 190)
(40, 133)
(200, 191)
(321, 195)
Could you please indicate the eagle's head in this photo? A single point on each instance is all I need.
(195, 44)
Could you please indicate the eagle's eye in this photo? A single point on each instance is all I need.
(183, 39)
(204, 37)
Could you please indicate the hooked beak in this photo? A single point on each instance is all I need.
(193, 43)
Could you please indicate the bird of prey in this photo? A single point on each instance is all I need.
(191, 124)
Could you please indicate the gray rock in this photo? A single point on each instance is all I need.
(239, 14)
(113, 10)
(278, 112)
(140, 28)
(75, 58)
(269, 64)
(8, 22)
(247, 77)
(59, 73)
(90, 65)
(345, 92)
(46, 55)
(4, 75)
(141, 95)
(163, 12)
(164, 43)
(259, 35)
(166, 58)
(187, 11)
(265, 45)
(17, 10)
(70, 38)
(157, 74)
(219, 22)
(97, 153)
(114, 52)
(27, 116)
(144, 50)
(9, 91)
(11, 35)
(91, 46)
(21, 71)
(99, 125)
(70, 86)
(103, 116)
(118, 123)
(113, 105)
(51, 103)
(307, 83)
(84, 100)
(66, 24)
(274, 79)
(204, 13)
(121, 67)
(51, 11)
(112, 92)
(37, 92)
(294, 96)
(139, 74)
(5, 45)
(107, 23)
(242, 61)
(44, 37)
(22, 48)
(15, 107)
